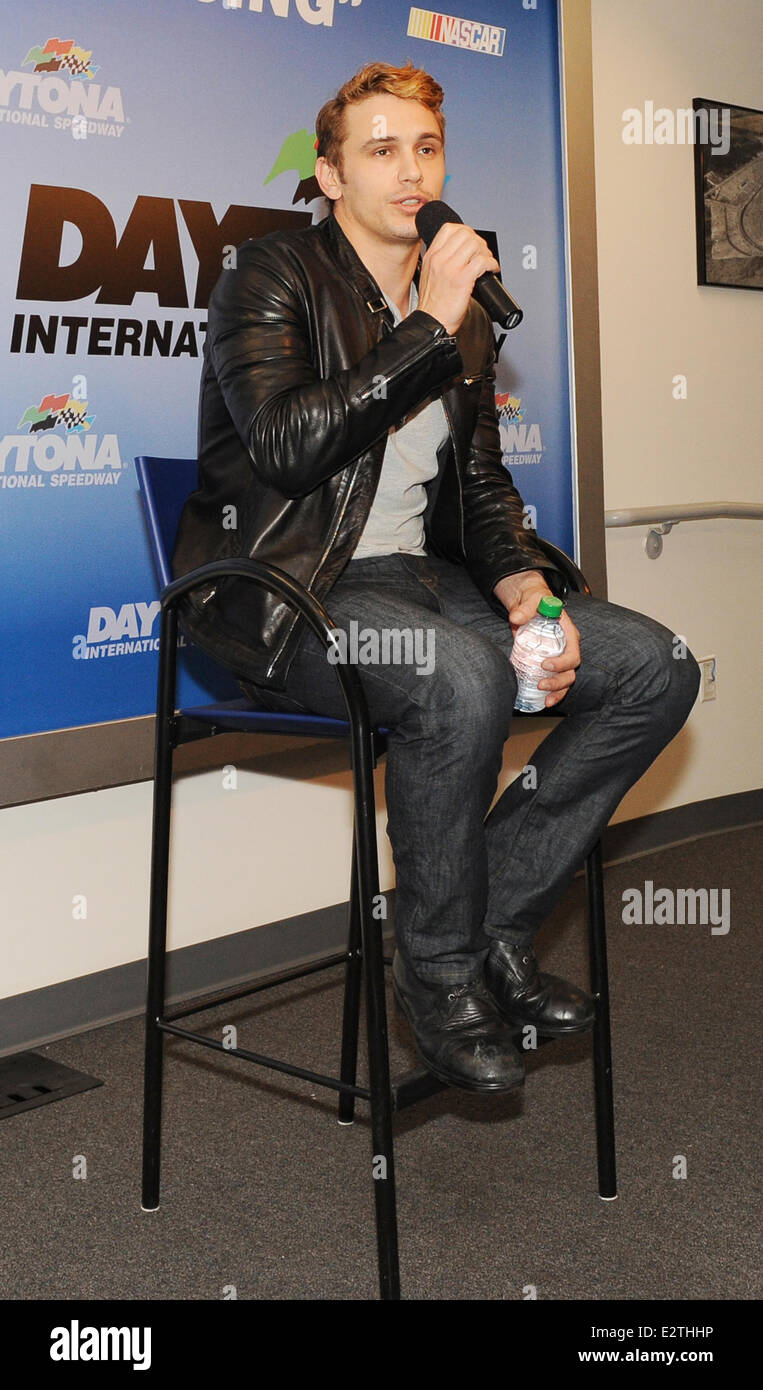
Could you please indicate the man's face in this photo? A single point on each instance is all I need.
(393, 163)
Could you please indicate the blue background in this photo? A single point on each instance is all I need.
(209, 96)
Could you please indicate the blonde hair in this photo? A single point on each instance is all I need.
(409, 83)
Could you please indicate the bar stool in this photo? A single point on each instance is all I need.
(165, 484)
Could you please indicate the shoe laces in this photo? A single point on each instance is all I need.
(458, 991)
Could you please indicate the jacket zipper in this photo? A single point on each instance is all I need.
(339, 519)
(398, 371)
(316, 571)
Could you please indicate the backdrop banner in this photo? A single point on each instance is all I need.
(139, 140)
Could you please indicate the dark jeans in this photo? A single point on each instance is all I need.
(461, 878)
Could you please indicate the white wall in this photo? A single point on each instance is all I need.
(656, 322)
(236, 851)
(268, 848)
(235, 855)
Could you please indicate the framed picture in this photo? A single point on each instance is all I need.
(728, 186)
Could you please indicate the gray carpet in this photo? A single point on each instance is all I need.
(264, 1191)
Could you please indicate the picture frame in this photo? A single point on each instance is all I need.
(728, 187)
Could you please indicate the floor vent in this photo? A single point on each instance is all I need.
(28, 1080)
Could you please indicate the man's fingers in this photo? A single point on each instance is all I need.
(566, 660)
(523, 612)
(560, 680)
(460, 245)
(453, 234)
(555, 690)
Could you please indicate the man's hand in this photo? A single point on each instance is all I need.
(456, 258)
(520, 594)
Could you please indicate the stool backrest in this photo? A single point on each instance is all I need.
(165, 485)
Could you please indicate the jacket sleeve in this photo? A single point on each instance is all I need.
(300, 429)
(498, 541)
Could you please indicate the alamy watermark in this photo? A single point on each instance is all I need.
(678, 907)
(76, 1343)
(384, 646)
(683, 126)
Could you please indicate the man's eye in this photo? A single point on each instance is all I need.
(382, 150)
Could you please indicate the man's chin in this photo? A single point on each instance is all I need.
(403, 231)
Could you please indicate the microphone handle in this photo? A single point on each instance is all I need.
(490, 293)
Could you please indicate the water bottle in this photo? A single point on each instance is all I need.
(542, 637)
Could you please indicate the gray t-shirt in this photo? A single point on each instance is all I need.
(410, 460)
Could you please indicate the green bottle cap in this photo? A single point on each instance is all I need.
(550, 607)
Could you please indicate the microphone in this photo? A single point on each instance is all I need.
(488, 290)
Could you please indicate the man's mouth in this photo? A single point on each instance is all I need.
(414, 202)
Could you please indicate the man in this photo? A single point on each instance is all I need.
(347, 424)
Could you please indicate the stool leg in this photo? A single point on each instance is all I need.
(157, 936)
(383, 1168)
(602, 1044)
(352, 980)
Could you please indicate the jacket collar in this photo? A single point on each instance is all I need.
(344, 254)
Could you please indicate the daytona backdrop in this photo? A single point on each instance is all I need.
(138, 139)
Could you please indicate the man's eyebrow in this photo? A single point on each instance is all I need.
(395, 139)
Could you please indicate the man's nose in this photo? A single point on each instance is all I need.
(410, 170)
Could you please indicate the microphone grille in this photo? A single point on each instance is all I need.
(432, 217)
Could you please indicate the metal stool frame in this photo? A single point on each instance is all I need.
(364, 947)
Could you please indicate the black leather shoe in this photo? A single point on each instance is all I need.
(458, 1032)
(523, 995)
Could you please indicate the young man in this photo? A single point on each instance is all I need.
(347, 417)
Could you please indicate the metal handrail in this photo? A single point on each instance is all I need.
(662, 519)
(682, 511)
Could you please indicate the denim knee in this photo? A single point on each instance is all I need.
(686, 680)
(477, 689)
(674, 676)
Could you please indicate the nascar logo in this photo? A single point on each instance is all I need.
(461, 33)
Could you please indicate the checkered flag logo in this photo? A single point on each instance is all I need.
(53, 411)
(62, 55)
(509, 407)
(69, 417)
(74, 65)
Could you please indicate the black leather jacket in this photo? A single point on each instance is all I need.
(304, 374)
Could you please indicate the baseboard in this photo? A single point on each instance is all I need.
(92, 1001)
(665, 829)
(75, 1006)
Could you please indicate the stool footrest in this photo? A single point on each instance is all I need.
(405, 1090)
(260, 1059)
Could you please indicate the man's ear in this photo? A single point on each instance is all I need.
(328, 179)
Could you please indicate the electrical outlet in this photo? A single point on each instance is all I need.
(709, 668)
